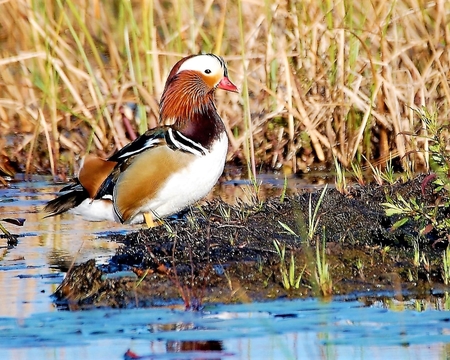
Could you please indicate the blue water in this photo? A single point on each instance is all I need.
(31, 327)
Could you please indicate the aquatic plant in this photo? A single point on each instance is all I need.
(426, 264)
(340, 178)
(225, 212)
(288, 229)
(360, 268)
(388, 174)
(384, 251)
(412, 209)
(376, 172)
(446, 266)
(435, 137)
(289, 278)
(416, 257)
(435, 148)
(313, 218)
(322, 270)
(358, 173)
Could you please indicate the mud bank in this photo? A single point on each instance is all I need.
(223, 253)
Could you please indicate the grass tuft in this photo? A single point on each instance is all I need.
(322, 271)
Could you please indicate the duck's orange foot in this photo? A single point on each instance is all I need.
(149, 220)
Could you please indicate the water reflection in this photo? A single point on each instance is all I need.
(176, 346)
(31, 271)
(32, 328)
(266, 185)
(314, 330)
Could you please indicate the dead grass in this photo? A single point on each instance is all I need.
(318, 78)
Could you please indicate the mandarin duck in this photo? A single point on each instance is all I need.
(167, 168)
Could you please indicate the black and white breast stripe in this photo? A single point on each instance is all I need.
(177, 140)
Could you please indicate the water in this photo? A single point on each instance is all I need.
(31, 327)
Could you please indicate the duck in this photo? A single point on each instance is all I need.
(166, 169)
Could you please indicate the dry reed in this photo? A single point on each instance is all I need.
(319, 79)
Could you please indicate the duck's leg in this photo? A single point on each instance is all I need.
(149, 220)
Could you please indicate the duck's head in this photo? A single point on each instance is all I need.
(189, 92)
(203, 73)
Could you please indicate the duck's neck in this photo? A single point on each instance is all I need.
(190, 106)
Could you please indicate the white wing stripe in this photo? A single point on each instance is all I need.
(148, 144)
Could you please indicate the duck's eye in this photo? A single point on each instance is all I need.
(207, 71)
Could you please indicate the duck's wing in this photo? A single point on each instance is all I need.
(125, 156)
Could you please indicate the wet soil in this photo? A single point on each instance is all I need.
(222, 253)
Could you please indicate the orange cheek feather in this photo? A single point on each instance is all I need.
(211, 81)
